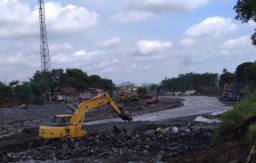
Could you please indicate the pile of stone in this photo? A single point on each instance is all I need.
(118, 143)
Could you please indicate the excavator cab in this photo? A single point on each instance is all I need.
(62, 119)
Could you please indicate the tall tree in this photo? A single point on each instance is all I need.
(24, 92)
(76, 78)
(246, 11)
(242, 73)
(5, 93)
(226, 77)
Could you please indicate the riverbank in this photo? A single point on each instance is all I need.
(137, 141)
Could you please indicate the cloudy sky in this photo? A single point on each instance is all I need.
(129, 40)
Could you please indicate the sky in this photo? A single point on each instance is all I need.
(137, 41)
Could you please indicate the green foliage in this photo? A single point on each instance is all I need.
(252, 133)
(246, 11)
(38, 100)
(4, 89)
(190, 81)
(226, 78)
(13, 83)
(24, 92)
(142, 90)
(133, 98)
(96, 81)
(57, 78)
(117, 98)
(248, 88)
(5, 92)
(42, 82)
(252, 73)
(153, 87)
(242, 73)
(75, 78)
(242, 111)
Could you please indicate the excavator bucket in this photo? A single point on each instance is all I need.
(126, 116)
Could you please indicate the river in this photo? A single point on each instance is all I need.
(193, 105)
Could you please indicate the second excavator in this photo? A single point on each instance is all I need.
(75, 121)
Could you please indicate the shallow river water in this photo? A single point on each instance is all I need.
(193, 105)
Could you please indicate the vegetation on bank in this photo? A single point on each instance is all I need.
(242, 119)
(45, 83)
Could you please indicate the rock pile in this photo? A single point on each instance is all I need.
(118, 144)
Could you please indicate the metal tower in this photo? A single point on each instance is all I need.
(44, 49)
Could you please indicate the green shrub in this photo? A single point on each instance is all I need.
(248, 88)
(134, 98)
(252, 133)
(243, 110)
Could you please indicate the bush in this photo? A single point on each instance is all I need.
(134, 98)
(242, 111)
(248, 89)
(252, 133)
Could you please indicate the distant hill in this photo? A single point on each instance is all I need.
(125, 84)
(133, 84)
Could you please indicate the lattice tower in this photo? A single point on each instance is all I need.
(44, 48)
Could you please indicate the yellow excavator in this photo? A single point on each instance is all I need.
(73, 127)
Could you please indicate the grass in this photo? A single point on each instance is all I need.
(237, 117)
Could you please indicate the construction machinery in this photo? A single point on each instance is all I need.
(70, 126)
(153, 99)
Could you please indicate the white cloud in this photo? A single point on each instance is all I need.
(18, 19)
(57, 46)
(133, 16)
(68, 19)
(252, 23)
(160, 6)
(147, 47)
(109, 42)
(80, 53)
(216, 26)
(187, 41)
(236, 43)
(143, 10)
(105, 63)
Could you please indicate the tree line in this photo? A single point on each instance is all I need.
(189, 81)
(46, 83)
(244, 79)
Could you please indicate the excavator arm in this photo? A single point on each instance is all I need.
(74, 128)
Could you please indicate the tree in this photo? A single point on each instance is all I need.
(226, 78)
(37, 91)
(252, 73)
(5, 93)
(24, 92)
(49, 80)
(13, 83)
(142, 90)
(246, 11)
(190, 81)
(75, 78)
(242, 73)
(153, 87)
(96, 81)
